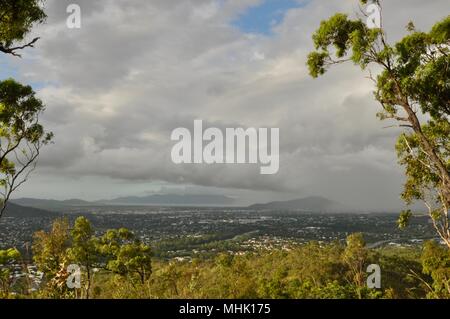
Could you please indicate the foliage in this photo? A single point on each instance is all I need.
(83, 250)
(436, 263)
(355, 256)
(118, 251)
(21, 136)
(121, 266)
(7, 256)
(49, 249)
(126, 254)
(50, 256)
(311, 270)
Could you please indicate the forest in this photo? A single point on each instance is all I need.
(118, 265)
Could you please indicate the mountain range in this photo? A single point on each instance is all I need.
(310, 204)
(150, 200)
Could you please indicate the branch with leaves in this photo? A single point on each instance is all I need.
(21, 136)
(16, 21)
(413, 78)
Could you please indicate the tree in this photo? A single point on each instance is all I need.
(414, 76)
(355, 256)
(84, 250)
(50, 248)
(126, 255)
(133, 258)
(50, 256)
(21, 134)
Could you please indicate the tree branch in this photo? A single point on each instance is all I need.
(13, 50)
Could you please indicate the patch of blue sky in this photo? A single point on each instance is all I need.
(263, 17)
(9, 69)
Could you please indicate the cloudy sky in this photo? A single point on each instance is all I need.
(135, 70)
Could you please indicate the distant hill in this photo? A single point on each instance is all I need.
(171, 199)
(50, 204)
(13, 210)
(309, 204)
(162, 199)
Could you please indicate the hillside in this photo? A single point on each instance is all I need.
(49, 204)
(14, 210)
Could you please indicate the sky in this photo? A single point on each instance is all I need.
(117, 87)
